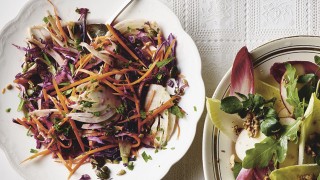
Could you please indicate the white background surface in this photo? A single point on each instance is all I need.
(219, 28)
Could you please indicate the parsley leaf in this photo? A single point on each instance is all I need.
(146, 157)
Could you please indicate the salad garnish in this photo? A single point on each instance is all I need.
(275, 128)
(98, 93)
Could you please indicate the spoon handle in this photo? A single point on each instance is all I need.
(119, 11)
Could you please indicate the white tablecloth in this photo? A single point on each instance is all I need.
(219, 28)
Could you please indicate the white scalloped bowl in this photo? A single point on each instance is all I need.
(13, 139)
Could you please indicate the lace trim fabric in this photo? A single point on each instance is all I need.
(221, 27)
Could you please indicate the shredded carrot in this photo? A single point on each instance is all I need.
(148, 104)
(169, 49)
(59, 23)
(113, 32)
(70, 161)
(64, 146)
(76, 132)
(130, 118)
(104, 81)
(64, 162)
(95, 151)
(73, 91)
(124, 95)
(60, 95)
(52, 141)
(56, 104)
(97, 77)
(160, 109)
(39, 124)
(83, 61)
(178, 127)
(42, 153)
(25, 125)
(78, 165)
(106, 67)
(136, 100)
(112, 86)
(117, 56)
(159, 35)
(45, 94)
(134, 136)
(144, 76)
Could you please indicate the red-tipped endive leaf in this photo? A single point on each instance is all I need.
(252, 174)
(303, 67)
(278, 71)
(242, 79)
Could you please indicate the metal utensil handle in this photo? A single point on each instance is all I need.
(119, 11)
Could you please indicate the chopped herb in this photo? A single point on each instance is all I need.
(130, 166)
(67, 92)
(93, 80)
(177, 111)
(72, 68)
(158, 138)
(103, 173)
(159, 76)
(33, 151)
(164, 62)
(156, 151)
(129, 29)
(143, 114)
(195, 108)
(64, 84)
(121, 109)
(96, 113)
(146, 157)
(86, 104)
(173, 148)
(8, 110)
(21, 104)
(64, 129)
(163, 148)
(45, 20)
(29, 133)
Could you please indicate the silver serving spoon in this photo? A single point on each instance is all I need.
(119, 11)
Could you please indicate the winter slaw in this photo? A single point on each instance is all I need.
(91, 96)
